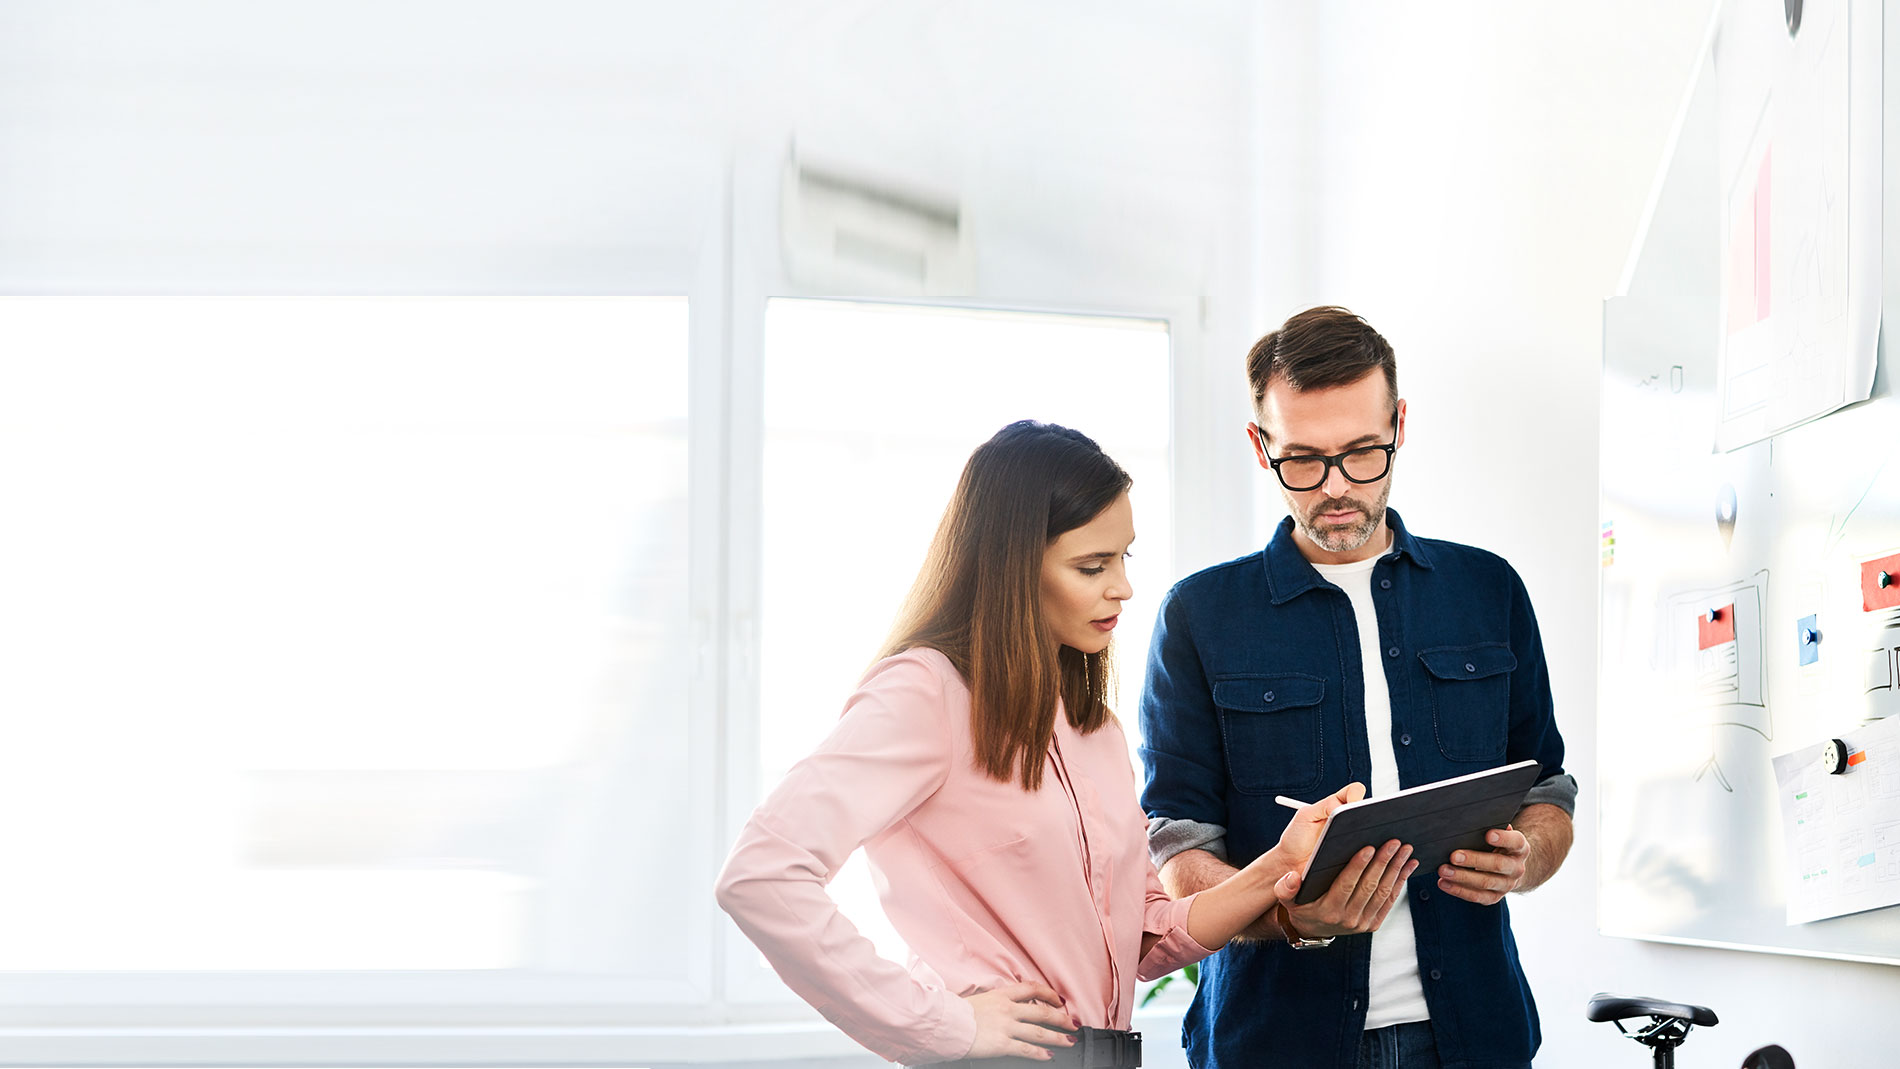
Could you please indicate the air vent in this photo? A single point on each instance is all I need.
(846, 232)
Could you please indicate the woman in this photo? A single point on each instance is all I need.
(990, 786)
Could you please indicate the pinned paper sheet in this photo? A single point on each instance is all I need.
(1799, 173)
(1842, 831)
(1715, 627)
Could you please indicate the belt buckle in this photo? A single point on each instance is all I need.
(1090, 1049)
(1108, 1049)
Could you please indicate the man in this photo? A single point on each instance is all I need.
(1349, 649)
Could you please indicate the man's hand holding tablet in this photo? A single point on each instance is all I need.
(1358, 898)
(1459, 826)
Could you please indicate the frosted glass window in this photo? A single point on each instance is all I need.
(334, 631)
(871, 411)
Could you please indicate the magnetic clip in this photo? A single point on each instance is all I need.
(1838, 756)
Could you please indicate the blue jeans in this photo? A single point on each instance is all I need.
(1400, 1046)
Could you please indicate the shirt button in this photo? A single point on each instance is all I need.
(1355, 1004)
(1393, 652)
(1267, 697)
(1385, 584)
(1471, 668)
(1424, 893)
(1405, 740)
(1436, 975)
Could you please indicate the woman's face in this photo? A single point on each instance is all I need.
(1085, 578)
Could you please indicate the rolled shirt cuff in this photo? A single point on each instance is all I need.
(1167, 838)
(1559, 790)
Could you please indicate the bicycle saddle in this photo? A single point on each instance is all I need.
(1607, 1007)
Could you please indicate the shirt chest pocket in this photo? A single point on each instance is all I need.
(1270, 729)
(1470, 690)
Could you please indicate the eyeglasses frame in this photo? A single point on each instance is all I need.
(1337, 460)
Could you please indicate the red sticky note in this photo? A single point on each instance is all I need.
(1717, 631)
(1874, 596)
(1856, 758)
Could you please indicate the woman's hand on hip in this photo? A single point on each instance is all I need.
(1020, 1021)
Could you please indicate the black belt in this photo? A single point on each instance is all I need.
(1095, 1048)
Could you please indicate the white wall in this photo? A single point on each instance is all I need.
(1482, 178)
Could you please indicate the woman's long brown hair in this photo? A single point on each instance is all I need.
(978, 597)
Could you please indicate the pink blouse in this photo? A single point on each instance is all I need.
(988, 884)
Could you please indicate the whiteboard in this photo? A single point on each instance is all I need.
(1690, 835)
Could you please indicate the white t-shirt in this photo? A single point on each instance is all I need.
(1395, 995)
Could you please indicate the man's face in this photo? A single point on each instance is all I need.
(1338, 518)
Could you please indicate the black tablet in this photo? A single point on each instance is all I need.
(1435, 818)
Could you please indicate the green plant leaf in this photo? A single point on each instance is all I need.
(1191, 973)
(1160, 986)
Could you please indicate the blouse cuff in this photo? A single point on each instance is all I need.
(1177, 947)
(951, 1038)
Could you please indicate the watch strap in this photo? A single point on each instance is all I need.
(1293, 937)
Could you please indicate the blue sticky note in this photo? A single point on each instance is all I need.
(1807, 638)
(1866, 860)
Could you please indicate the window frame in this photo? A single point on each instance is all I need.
(718, 1006)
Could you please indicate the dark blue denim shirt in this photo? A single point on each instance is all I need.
(1254, 689)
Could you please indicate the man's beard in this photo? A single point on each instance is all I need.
(1343, 539)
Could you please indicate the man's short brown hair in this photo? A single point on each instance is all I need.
(1320, 347)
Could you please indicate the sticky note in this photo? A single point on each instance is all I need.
(1710, 633)
(1873, 595)
(1809, 651)
(1856, 758)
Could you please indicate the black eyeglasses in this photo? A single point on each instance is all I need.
(1367, 464)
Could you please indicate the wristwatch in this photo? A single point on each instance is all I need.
(1293, 938)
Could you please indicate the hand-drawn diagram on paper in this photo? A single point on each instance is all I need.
(1842, 830)
(1713, 655)
(1799, 151)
